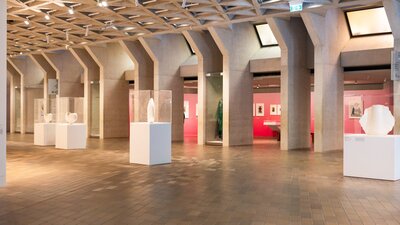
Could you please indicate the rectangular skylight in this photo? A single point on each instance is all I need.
(368, 22)
(265, 35)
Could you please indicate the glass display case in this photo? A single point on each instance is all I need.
(214, 109)
(39, 110)
(71, 105)
(356, 104)
(162, 105)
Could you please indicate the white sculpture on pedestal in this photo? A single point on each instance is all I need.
(71, 117)
(377, 120)
(48, 117)
(150, 111)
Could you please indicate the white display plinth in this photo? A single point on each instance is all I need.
(44, 134)
(150, 143)
(369, 156)
(71, 136)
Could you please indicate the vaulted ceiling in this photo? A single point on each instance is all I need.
(37, 25)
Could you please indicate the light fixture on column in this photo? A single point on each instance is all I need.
(71, 11)
(47, 16)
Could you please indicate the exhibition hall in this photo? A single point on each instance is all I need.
(199, 112)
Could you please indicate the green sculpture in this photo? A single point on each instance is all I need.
(219, 118)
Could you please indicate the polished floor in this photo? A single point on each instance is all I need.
(204, 185)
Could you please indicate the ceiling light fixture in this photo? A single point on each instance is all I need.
(71, 11)
(26, 22)
(104, 3)
(47, 16)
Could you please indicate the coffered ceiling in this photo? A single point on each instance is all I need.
(37, 25)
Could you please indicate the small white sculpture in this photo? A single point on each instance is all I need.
(71, 117)
(48, 117)
(377, 120)
(150, 111)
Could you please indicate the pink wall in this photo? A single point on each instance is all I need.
(190, 126)
(369, 97)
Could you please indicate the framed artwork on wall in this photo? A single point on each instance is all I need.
(260, 109)
(273, 110)
(356, 107)
(186, 109)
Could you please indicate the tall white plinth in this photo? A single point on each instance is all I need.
(71, 136)
(370, 156)
(44, 134)
(150, 143)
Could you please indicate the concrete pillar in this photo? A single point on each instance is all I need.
(329, 35)
(31, 77)
(392, 8)
(91, 73)
(49, 73)
(69, 74)
(15, 81)
(3, 94)
(114, 89)
(209, 61)
(295, 82)
(237, 45)
(143, 72)
(168, 53)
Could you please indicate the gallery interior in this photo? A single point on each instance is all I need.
(200, 112)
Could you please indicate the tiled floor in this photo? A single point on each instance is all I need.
(204, 185)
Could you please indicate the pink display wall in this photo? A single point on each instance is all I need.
(190, 126)
(369, 98)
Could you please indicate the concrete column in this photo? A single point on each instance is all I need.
(329, 35)
(69, 74)
(49, 73)
(3, 93)
(209, 61)
(143, 72)
(295, 82)
(31, 77)
(168, 53)
(91, 73)
(392, 8)
(237, 45)
(15, 81)
(114, 90)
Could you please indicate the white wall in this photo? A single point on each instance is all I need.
(3, 91)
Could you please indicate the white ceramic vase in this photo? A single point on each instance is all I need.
(377, 120)
(71, 118)
(150, 111)
(48, 117)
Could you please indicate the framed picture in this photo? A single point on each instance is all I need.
(260, 109)
(356, 108)
(273, 110)
(186, 109)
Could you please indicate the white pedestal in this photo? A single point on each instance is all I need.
(71, 136)
(44, 134)
(150, 143)
(369, 156)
